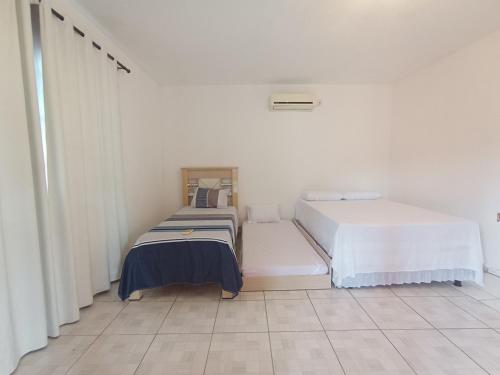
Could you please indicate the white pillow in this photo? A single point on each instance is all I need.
(321, 195)
(362, 195)
(263, 213)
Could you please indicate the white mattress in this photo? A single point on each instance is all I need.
(377, 237)
(278, 249)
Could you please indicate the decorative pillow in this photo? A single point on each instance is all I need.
(321, 195)
(209, 198)
(263, 213)
(362, 195)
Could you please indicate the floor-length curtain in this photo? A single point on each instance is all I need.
(85, 183)
(22, 308)
(63, 220)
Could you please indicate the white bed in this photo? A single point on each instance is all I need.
(379, 242)
(277, 256)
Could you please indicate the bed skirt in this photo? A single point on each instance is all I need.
(408, 277)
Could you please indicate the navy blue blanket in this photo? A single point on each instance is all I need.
(195, 262)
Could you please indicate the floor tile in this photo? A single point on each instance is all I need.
(94, 319)
(199, 293)
(191, 317)
(492, 284)
(249, 296)
(241, 316)
(475, 291)
(292, 315)
(479, 310)
(111, 295)
(414, 290)
(342, 314)
(392, 313)
(482, 345)
(441, 313)
(373, 291)
(303, 353)
(429, 352)
(168, 293)
(367, 353)
(139, 318)
(285, 294)
(113, 355)
(56, 358)
(446, 290)
(239, 353)
(329, 293)
(176, 354)
(493, 303)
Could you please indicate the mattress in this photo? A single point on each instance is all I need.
(278, 249)
(380, 237)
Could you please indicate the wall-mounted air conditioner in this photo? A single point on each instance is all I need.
(293, 101)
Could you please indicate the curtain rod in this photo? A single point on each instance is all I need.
(82, 34)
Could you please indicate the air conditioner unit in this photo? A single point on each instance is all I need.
(293, 101)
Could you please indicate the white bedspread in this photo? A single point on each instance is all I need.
(379, 241)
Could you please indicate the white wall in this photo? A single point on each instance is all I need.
(446, 139)
(344, 143)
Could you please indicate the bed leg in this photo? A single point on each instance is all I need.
(135, 296)
(457, 283)
(227, 295)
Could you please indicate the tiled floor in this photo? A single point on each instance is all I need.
(412, 329)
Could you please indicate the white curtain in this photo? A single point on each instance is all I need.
(63, 222)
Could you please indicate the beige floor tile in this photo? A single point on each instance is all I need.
(414, 290)
(493, 303)
(482, 345)
(176, 354)
(475, 291)
(168, 293)
(329, 293)
(191, 317)
(373, 291)
(303, 353)
(239, 353)
(199, 293)
(441, 313)
(139, 318)
(479, 310)
(446, 290)
(428, 352)
(94, 319)
(492, 284)
(111, 295)
(292, 315)
(392, 313)
(241, 316)
(367, 353)
(342, 314)
(285, 294)
(249, 296)
(113, 355)
(56, 358)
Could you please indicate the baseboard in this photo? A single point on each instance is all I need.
(494, 271)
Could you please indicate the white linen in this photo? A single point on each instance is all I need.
(380, 236)
(263, 213)
(321, 195)
(278, 249)
(188, 210)
(360, 195)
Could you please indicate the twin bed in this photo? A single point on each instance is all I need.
(351, 243)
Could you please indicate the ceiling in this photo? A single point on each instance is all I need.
(291, 41)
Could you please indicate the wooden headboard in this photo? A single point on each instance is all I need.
(228, 177)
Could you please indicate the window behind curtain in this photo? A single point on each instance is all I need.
(37, 55)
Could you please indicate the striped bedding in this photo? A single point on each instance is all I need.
(195, 245)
